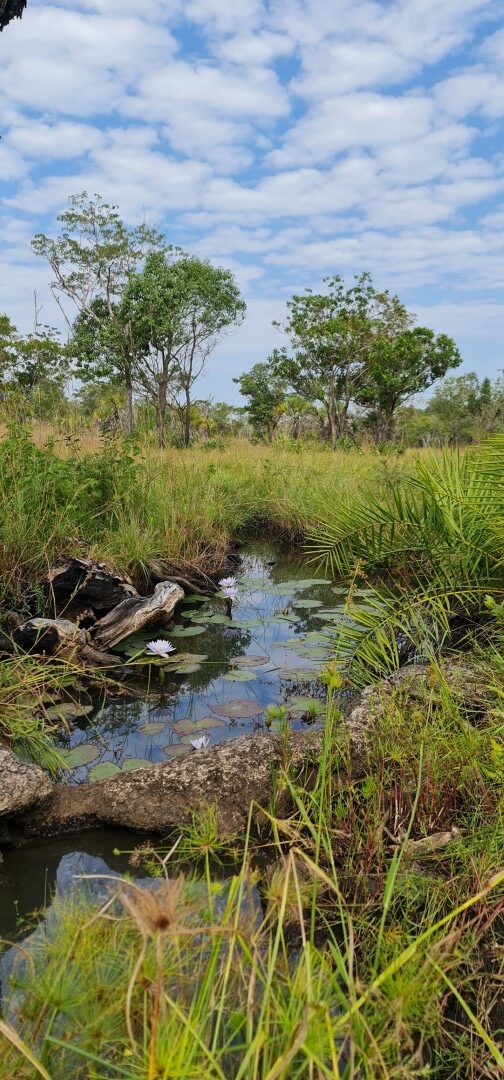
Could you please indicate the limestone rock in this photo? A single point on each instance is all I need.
(22, 785)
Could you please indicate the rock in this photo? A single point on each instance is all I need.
(22, 785)
(230, 776)
(48, 635)
(137, 614)
(87, 583)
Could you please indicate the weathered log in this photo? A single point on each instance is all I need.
(88, 583)
(22, 785)
(137, 614)
(49, 635)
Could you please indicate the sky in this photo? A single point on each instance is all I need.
(287, 140)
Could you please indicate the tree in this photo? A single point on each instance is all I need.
(176, 309)
(331, 335)
(92, 259)
(9, 10)
(8, 335)
(467, 408)
(400, 365)
(266, 392)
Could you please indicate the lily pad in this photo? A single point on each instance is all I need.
(176, 749)
(220, 620)
(80, 755)
(138, 642)
(240, 676)
(186, 669)
(246, 624)
(130, 764)
(152, 727)
(68, 710)
(195, 598)
(185, 727)
(249, 661)
(298, 706)
(307, 603)
(187, 631)
(298, 674)
(103, 771)
(237, 709)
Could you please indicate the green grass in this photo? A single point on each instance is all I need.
(367, 962)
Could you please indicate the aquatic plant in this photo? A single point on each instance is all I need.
(160, 647)
(201, 743)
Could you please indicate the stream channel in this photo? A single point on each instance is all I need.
(267, 650)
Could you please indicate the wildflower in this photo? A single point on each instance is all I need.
(201, 743)
(160, 647)
(230, 592)
(227, 583)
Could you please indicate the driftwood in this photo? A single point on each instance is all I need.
(137, 614)
(86, 583)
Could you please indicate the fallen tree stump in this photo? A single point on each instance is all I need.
(137, 614)
(88, 583)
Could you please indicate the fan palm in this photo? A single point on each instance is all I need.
(440, 535)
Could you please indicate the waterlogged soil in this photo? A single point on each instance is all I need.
(232, 660)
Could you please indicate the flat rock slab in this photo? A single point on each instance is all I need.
(137, 614)
(22, 785)
(89, 583)
(229, 776)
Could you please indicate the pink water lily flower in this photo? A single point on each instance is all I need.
(227, 583)
(201, 743)
(161, 647)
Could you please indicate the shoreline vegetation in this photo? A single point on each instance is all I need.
(360, 935)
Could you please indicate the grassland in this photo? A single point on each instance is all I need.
(378, 951)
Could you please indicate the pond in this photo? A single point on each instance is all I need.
(233, 660)
(268, 650)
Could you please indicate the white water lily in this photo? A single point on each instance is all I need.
(201, 743)
(161, 647)
(230, 592)
(227, 582)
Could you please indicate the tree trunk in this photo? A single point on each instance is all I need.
(128, 407)
(161, 411)
(187, 419)
(331, 416)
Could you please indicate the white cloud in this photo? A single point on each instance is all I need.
(34, 139)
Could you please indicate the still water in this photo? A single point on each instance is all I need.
(269, 648)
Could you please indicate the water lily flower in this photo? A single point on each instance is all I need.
(229, 592)
(201, 743)
(227, 582)
(161, 647)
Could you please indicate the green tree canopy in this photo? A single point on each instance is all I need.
(266, 393)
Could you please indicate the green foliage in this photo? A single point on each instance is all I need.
(440, 535)
(266, 395)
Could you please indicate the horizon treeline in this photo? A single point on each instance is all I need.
(143, 318)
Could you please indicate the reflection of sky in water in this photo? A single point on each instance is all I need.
(114, 727)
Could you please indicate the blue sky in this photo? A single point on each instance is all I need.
(287, 140)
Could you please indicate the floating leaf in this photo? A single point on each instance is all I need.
(187, 631)
(176, 749)
(185, 727)
(249, 661)
(298, 673)
(80, 755)
(238, 708)
(130, 764)
(246, 624)
(186, 669)
(103, 771)
(298, 706)
(220, 620)
(68, 710)
(138, 642)
(240, 676)
(307, 603)
(195, 598)
(152, 727)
